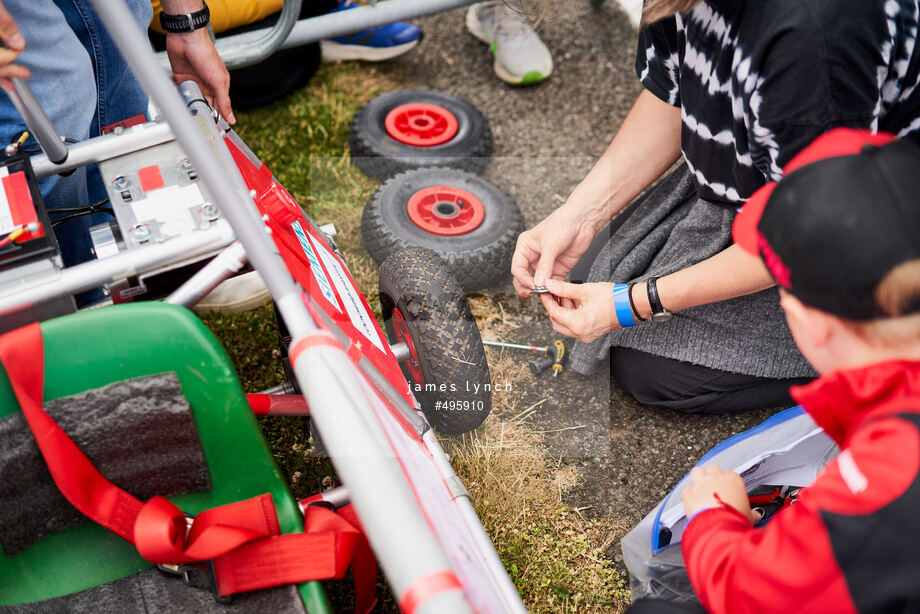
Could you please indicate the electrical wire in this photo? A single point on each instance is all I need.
(24, 135)
(75, 212)
(79, 209)
(12, 236)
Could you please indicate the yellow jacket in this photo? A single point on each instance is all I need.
(228, 14)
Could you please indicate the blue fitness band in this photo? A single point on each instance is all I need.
(621, 305)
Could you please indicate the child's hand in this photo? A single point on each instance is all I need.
(706, 483)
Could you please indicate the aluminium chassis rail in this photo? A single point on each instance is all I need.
(239, 50)
(248, 48)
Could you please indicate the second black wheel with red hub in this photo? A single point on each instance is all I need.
(470, 223)
(408, 129)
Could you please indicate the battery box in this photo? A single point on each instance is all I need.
(29, 251)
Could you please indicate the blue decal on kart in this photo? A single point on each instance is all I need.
(315, 267)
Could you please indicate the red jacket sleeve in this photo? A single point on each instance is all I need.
(789, 565)
(736, 568)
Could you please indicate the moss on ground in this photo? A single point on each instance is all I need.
(554, 556)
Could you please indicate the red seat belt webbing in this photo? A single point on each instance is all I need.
(242, 539)
(157, 528)
(22, 353)
(363, 565)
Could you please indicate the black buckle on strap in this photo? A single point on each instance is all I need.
(197, 575)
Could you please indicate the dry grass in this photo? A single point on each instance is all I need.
(553, 554)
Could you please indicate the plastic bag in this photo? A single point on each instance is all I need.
(788, 449)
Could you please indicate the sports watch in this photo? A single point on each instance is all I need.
(659, 313)
(187, 22)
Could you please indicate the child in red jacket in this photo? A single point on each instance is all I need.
(840, 233)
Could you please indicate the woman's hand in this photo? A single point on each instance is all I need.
(647, 144)
(550, 249)
(712, 487)
(582, 311)
(14, 44)
(192, 56)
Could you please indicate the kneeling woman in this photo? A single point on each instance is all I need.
(738, 87)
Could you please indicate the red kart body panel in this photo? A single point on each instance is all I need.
(336, 304)
(320, 270)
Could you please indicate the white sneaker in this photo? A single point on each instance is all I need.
(236, 294)
(521, 58)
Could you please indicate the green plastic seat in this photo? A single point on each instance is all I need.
(92, 349)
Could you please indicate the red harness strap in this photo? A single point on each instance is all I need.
(242, 539)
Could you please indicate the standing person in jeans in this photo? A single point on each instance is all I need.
(736, 88)
(83, 84)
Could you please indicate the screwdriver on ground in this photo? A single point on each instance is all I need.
(555, 355)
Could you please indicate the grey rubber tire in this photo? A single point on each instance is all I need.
(379, 155)
(479, 258)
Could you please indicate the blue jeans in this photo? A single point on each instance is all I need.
(83, 84)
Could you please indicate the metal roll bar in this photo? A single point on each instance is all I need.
(37, 121)
(239, 50)
(398, 532)
(94, 273)
(364, 17)
(253, 47)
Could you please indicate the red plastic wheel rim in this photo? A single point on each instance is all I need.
(445, 210)
(421, 125)
(412, 364)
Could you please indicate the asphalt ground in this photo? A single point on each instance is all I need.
(547, 137)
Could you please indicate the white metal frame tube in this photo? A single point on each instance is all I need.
(38, 121)
(406, 547)
(490, 559)
(96, 272)
(105, 147)
(398, 532)
(364, 17)
(222, 266)
(253, 47)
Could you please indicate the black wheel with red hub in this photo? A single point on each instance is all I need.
(470, 223)
(424, 307)
(409, 129)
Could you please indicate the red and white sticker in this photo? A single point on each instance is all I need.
(360, 318)
(16, 206)
(315, 268)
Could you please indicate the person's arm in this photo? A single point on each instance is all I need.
(739, 569)
(647, 144)
(586, 311)
(192, 56)
(729, 274)
(13, 45)
(791, 563)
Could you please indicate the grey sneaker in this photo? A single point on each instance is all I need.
(521, 57)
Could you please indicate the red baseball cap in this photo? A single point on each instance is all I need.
(846, 212)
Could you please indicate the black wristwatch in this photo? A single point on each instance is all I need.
(659, 313)
(188, 22)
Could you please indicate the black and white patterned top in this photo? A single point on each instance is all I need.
(758, 80)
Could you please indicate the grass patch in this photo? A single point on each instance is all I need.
(554, 556)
